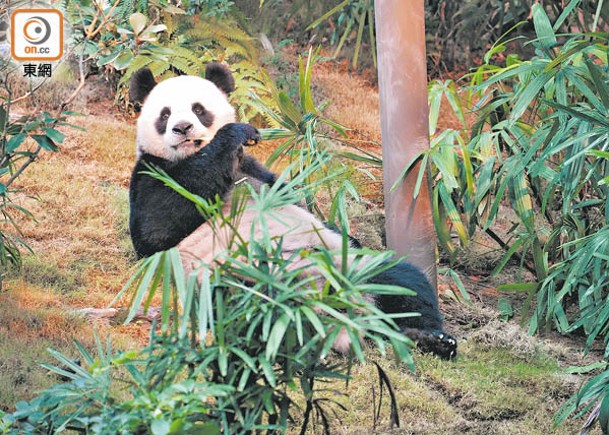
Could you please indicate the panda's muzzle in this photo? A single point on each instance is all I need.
(185, 128)
(188, 142)
(182, 128)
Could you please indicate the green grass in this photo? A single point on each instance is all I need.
(25, 336)
(486, 390)
(43, 272)
(497, 385)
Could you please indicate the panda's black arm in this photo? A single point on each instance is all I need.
(252, 167)
(229, 139)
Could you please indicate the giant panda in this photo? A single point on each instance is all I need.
(187, 129)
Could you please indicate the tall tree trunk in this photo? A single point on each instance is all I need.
(402, 71)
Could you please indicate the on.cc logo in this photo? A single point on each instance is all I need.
(37, 30)
(36, 34)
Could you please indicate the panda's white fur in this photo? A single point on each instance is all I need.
(180, 93)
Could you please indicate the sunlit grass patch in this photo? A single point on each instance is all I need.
(45, 273)
(79, 200)
(500, 386)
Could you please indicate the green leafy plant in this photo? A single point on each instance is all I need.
(538, 149)
(530, 148)
(539, 146)
(238, 343)
(124, 37)
(151, 390)
(352, 15)
(591, 400)
(22, 139)
(306, 134)
(459, 33)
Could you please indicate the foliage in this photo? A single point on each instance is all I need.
(215, 8)
(126, 36)
(22, 139)
(237, 342)
(306, 134)
(538, 148)
(540, 122)
(352, 15)
(590, 400)
(161, 397)
(460, 32)
(188, 46)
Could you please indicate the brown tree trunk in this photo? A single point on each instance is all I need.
(402, 71)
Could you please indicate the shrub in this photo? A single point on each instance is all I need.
(126, 36)
(539, 147)
(533, 147)
(22, 139)
(236, 344)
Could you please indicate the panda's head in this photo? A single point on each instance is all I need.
(182, 114)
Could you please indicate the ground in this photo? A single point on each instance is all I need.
(503, 382)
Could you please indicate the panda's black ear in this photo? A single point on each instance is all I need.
(140, 85)
(221, 76)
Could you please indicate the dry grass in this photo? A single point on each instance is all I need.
(82, 253)
(355, 102)
(79, 199)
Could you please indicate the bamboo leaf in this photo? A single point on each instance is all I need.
(276, 336)
(358, 40)
(328, 14)
(543, 27)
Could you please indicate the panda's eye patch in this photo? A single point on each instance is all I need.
(198, 109)
(161, 122)
(205, 117)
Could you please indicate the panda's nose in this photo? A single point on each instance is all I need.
(182, 128)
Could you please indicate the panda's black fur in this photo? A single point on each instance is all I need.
(161, 218)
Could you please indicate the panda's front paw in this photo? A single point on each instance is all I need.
(444, 345)
(242, 134)
(233, 136)
(252, 136)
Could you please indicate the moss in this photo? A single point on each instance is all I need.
(45, 273)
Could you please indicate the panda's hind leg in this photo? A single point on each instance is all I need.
(426, 330)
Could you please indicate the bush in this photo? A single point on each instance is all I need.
(539, 147)
(22, 139)
(535, 147)
(237, 343)
(127, 36)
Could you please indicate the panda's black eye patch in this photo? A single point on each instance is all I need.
(206, 118)
(161, 122)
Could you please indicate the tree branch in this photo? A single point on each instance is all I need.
(27, 163)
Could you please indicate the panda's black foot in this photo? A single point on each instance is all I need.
(435, 342)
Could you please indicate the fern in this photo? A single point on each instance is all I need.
(192, 42)
(123, 10)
